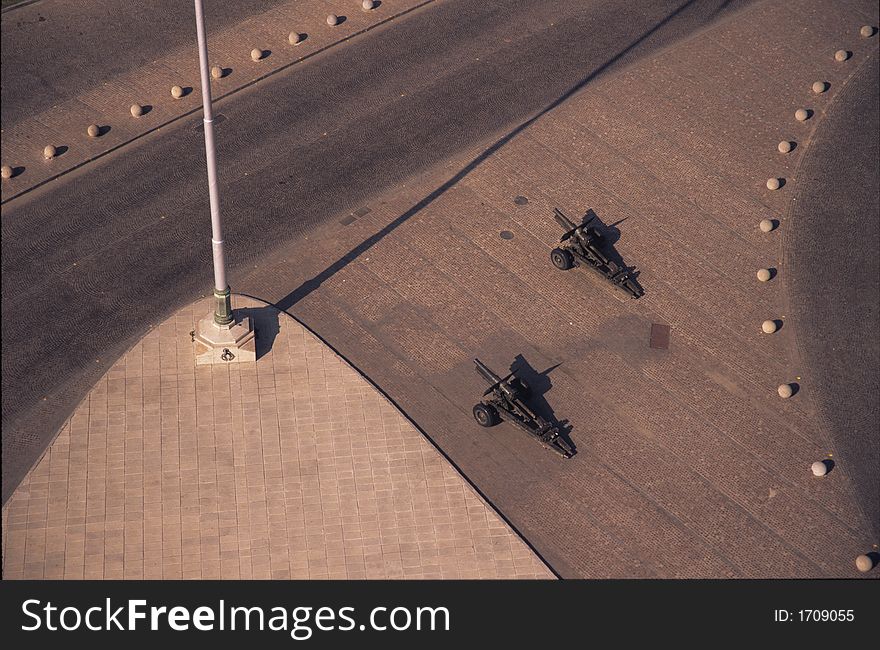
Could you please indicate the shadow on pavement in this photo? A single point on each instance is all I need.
(610, 235)
(265, 324)
(539, 384)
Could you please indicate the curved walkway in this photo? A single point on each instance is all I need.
(834, 278)
(290, 467)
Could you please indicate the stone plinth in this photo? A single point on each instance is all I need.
(236, 343)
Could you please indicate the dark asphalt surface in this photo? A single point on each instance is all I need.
(52, 49)
(833, 277)
(91, 260)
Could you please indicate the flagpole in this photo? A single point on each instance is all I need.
(222, 293)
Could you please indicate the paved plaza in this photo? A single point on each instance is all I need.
(291, 467)
(395, 195)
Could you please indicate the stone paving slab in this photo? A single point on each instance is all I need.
(290, 467)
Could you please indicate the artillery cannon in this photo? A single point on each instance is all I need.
(585, 244)
(505, 399)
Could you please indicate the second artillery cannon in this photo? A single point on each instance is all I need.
(505, 399)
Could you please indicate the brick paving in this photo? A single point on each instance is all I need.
(291, 467)
(689, 464)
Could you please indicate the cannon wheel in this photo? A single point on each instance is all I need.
(485, 415)
(561, 259)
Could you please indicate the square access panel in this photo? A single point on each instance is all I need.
(659, 336)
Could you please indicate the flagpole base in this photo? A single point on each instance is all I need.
(233, 342)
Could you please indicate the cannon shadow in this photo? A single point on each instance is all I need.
(539, 383)
(611, 235)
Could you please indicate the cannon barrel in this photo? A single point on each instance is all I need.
(567, 224)
(487, 374)
(501, 384)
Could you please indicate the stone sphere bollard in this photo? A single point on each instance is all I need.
(49, 152)
(368, 5)
(841, 55)
(785, 391)
(768, 326)
(332, 20)
(819, 87)
(5, 171)
(176, 92)
(763, 275)
(217, 72)
(864, 563)
(256, 54)
(773, 184)
(801, 115)
(819, 468)
(784, 146)
(766, 225)
(93, 131)
(867, 31)
(295, 38)
(137, 110)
